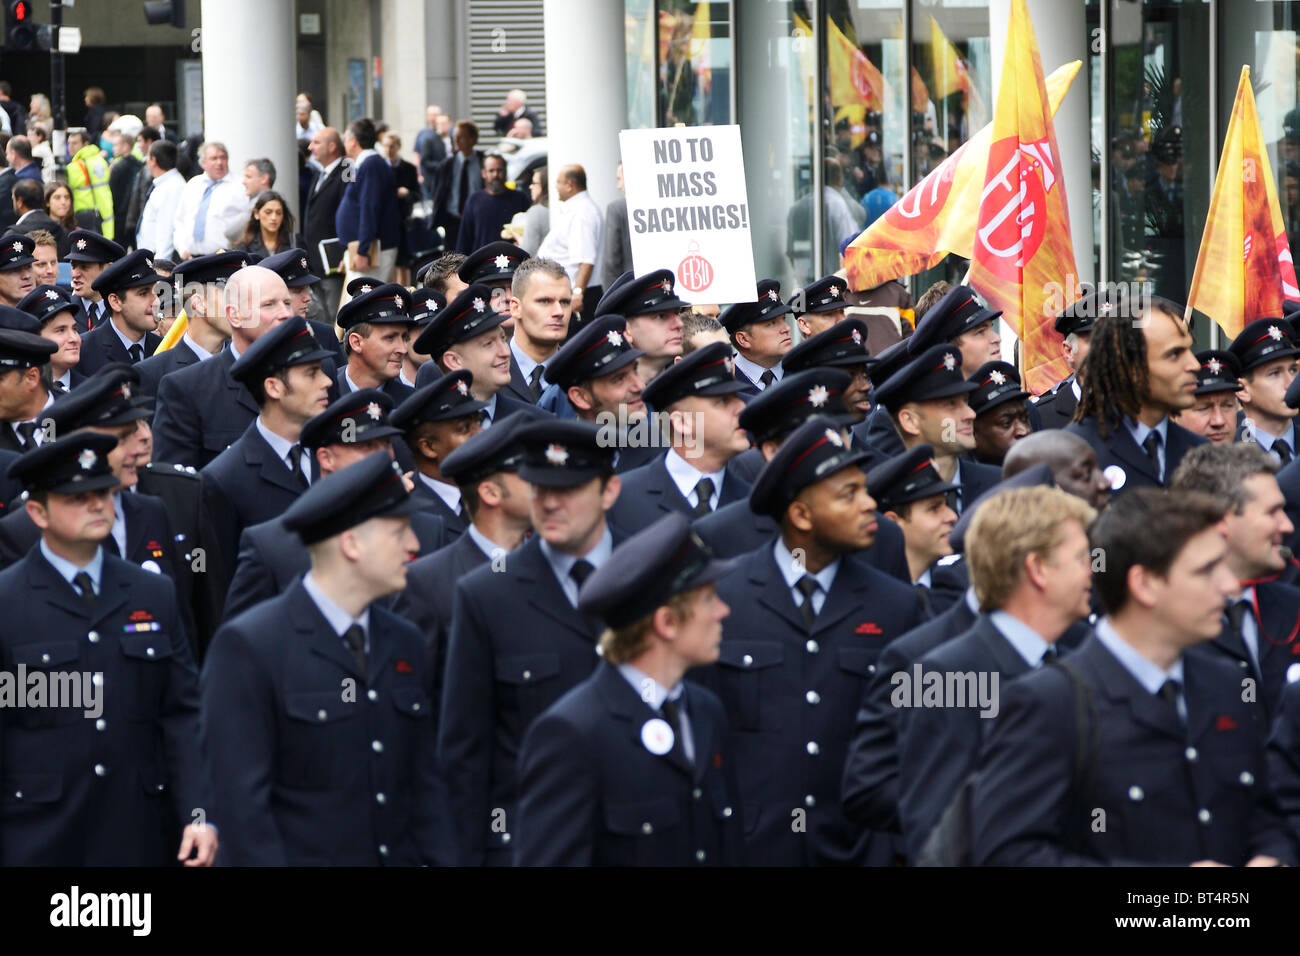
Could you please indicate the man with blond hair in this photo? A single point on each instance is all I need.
(1031, 568)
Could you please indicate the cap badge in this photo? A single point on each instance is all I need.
(148, 263)
(949, 361)
(614, 339)
(771, 294)
(834, 438)
(997, 378)
(374, 411)
(81, 243)
(303, 263)
(557, 455)
(462, 387)
(857, 337)
(86, 460)
(502, 262)
(51, 294)
(1275, 333)
(817, 396)
(126, 391)
(1214, 365)
(731, 366)
(667, 286)
(18, 246)
(365, 288)
(479, 305)
(836, 292)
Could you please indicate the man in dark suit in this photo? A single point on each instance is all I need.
(261, 474)
(540, 304)
(844, 346)
(1032, 569)
(459, 176)
(1284, 757)
(55, 312)
(24, 383)
(1075, 321)
(322, 204)
(501, 676)
(201, 280)
(115, 789)
(270, 557)
(632, 767)
(128, 289)
(17, 277)
(375, 328)
(89, 254)
(512, 111)
(1259, 631)
(1215, 413)
(367, 220)
(201, 410)
(430, 151)
(760, 332)
(808, 621)
(699, 397)
(1182, 776)
(1267, 355)
(928, 401)
(1001, 411)
(653, 312)
(305, 773)
(1136, 443)
(29, 204)
(436, 420)
(912, 494)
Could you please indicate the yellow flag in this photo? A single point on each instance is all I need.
(174, 333)
(1244, 268)
(948, 69)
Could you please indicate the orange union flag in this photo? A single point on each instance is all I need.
(937, 216)
(1022, 241)
(1244, 237)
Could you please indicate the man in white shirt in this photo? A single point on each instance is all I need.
(159, 216)
(212, 206)
(574, 239)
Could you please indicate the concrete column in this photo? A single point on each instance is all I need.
(404, 65)
(249, 71)
(1062, 32)
(586, 91)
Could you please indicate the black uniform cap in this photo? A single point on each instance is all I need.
(956, 313)
(785, 405)
(16, 251)
(130, 272)
(563, 453)
(388, 304)
(68, 466)
(768, 305)
(283, 346)
(1219, 372)
(996, 384)
(844, 345)
(496, 262)
(443, 400)
(87, 246)
(814, 451)
(706, 371)
(291, 266)
(495, 449)
(824, 295)
(1264, 340)
(598, 349)
(468, 315)
(933, 374)
(23, 350)
(43, 303)
(905, 478)
(641, 295)
(108, 398)
(371, 488)
(215, 269)
(357, 417)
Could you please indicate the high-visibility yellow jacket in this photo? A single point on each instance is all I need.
(88, 179)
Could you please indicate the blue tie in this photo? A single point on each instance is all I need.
(201, 218)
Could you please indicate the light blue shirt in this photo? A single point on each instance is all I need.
(490, 411)
(654, 694)
(68, 570)
(561, 563)
(1266, 441)
(753, 371)
(686, 476)
(449, 494)
(202, 353)
(119, 524)
(793, 571)
(1249, 626)
(1149, 675)
(527, 363)
(485, 544)
(282, 446)
(1140, 432)
(127, 343)
(234, 350)
(1028, 643)
(339, 619)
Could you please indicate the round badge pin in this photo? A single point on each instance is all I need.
(1116, 476)
(1293, 673)
(657, 736)
(151, 566)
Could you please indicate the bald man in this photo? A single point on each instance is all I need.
(1073, 462)
(201, 409)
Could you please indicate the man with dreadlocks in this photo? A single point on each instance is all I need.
(1140, 368)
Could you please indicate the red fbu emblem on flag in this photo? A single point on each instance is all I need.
(695, 272)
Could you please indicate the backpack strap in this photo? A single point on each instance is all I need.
(1087, 742)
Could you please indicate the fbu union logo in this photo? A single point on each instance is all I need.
(695, 273)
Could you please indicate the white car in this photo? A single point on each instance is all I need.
(520, 154)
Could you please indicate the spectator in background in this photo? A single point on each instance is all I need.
(7, 180)
(407, 178)
(445, 126)
(39, 111)
(489, 209)
(367, 220)
(617, 251)
(515, 107)
(460, 175)
(270, 226)
(259, 176)
(94, 122)
(318, 219)
(14, 109)
(29, 206)
(213, 207)
(430, 150)
(164, 196)
(18, 153)
(58, 203)
(45, 269)
(537, 220)
(129, 226)
(122, 175)
(574, 239)
(314, 121)
(39, 133)
(523, 129)
(88, 179)
(154, 116)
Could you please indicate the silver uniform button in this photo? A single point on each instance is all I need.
(380, 798)
(726, 811)
(377, 746)
(647, 829)
(1191, 754)
(810, 801)
(97, 679)
(505, 838)
(372, 694)
(1247, 778)
(148, 652)
(415, 706)
(1135, 793)
(93, 637)
(871, 668)
(697, 793)
(321, 715)
(813, 697)
(45, 658)
(747, 660)
(812, 646)
(100, 770)
(18, 794)
(528, 675)
(101, 724)
(699, 855)
(1203, 815)
(813, 748)
(383, 849)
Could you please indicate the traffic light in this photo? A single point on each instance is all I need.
(165, 12)
(20, 29)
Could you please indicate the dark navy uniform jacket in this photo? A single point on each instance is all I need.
(432, 503)
(1277, 618)
(153, 369)
(517, 645)
(102, 346)
(1120, 450)
(877, 434)
(790, 696)
(1056, 410)
(271, 558)
(200, 412)
(9, 489)
(591, 794)
(939, 746)
(306, 773)
(115, 790)
(1288, 479)
(1284, 757)
(1171, 794)
(649, 493)
(393, 388)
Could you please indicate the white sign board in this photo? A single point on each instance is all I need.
(687, 210)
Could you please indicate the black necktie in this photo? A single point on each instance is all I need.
(27, 435)
(1169, 694)
(1283, 451)
(59, 387)
(1151, 444)
(1051, 654)
(953, 501)
(355, 639)
(703, 496)
(81, 580)
(535, 381)
(461, 511)
(462, 188)
(808, 586)
(294, 461)
(923, 593)
(767, 378)
(580, 571)
(136, 352)
(672, 713)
